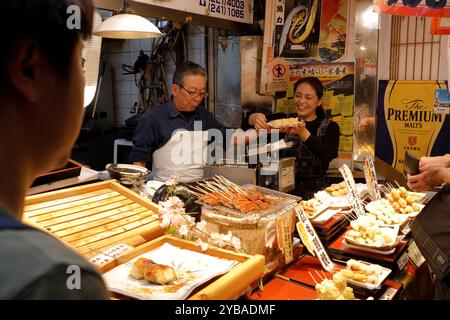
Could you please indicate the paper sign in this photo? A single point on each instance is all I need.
(285, 237)
(389, 294)
(355, 201)
(110, 254)
(371, 178)
(311, 240)
(403, 260)
(415, 255)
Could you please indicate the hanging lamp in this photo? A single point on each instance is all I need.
(127, 25)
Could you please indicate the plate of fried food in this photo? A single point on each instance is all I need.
(365, 275)
(337, 189)
(385, 213)
(289, 122)
(365, 233)
(404, 201)
(165, 273)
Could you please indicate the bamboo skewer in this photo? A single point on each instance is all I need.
(323, 274)
(310, 274)
(320, 277)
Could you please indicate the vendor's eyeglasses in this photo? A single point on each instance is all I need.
(194, 94)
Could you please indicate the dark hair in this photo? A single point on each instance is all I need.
(46, 22)
(317, 85)
(185, 69)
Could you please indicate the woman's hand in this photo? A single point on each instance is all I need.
(258, 121)
(298, 129)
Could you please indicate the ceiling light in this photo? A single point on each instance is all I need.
(127, 25)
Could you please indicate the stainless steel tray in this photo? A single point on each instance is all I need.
(287, 200)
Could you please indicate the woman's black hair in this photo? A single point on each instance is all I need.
(317, 85)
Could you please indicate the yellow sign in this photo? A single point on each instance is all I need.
(410, 118)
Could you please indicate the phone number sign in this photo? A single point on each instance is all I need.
(235, 10)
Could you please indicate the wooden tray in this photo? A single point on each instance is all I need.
(231, 285)
(94, 217)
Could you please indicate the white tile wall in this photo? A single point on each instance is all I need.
(118, 52)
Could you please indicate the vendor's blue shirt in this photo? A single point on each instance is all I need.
(157, 124)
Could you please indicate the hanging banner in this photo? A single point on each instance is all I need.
(333, 30)
(406, 121)
(424, 8)
(299, 36)
(235, 10)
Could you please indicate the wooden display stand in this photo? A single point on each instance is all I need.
(94, 217)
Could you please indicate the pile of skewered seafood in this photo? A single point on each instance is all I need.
(222, 192)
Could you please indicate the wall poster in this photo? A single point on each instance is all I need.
(407, 121)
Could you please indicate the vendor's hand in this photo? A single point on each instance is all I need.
(258, 121)
(434, 163)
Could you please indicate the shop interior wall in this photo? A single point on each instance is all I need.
(412, 61)
(123, 88)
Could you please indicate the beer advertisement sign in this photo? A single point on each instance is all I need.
(407, 121)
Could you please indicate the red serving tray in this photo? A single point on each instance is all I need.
(341, 252)
(279, 289)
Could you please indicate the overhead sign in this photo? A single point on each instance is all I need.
(235, 10)
(423, 8)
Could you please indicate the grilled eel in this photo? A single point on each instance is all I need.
(144, 268)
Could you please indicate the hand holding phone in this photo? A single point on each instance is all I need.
(410, 164)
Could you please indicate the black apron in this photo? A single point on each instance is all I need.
(310, 170)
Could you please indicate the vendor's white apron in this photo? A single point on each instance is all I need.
(183, 155)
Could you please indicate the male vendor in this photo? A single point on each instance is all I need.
(173, 137)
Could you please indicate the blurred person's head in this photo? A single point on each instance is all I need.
(41, 78)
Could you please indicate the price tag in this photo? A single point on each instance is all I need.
(415, 255)
(403, 260)
(311, 240)
(284, 226)
(405, 229)
(389, 294)
(355, 201)
(371, 178)
(110, 254)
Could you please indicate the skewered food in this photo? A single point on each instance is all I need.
(246, 201)
(335, 289)
(144, 268)
(337, 189)
(366, 231)
(311, 206)
(402, 201)
(362, 272)
(384, 213)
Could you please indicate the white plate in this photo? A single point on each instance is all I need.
(370, 205)
(153, 185)
(382, 252)
(382, 275)
(393, 230)
(192, 269)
